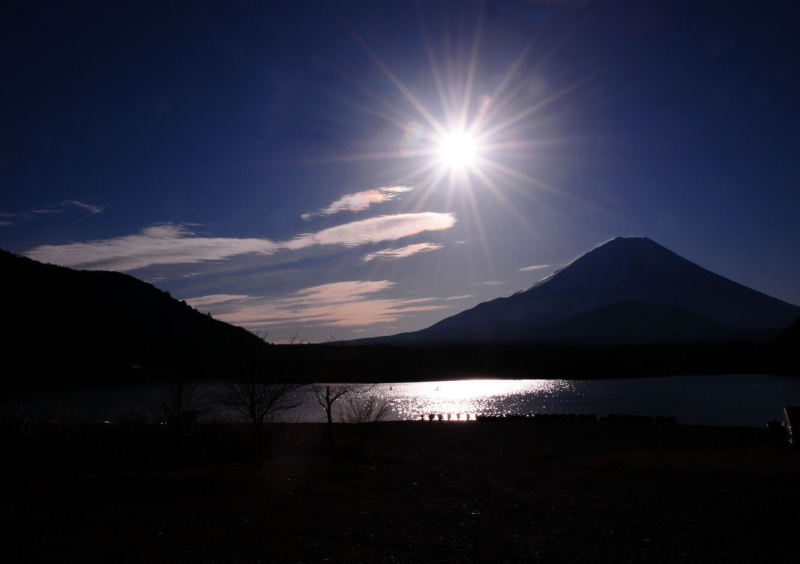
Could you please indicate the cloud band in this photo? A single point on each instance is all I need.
(175, 244)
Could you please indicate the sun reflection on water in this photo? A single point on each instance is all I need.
(458, 400)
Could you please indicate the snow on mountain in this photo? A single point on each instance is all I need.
(625, 269)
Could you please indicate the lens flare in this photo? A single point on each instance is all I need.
(458, 149)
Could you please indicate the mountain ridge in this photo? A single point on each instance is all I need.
(624, 269)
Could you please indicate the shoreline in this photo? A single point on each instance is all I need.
(729, 400)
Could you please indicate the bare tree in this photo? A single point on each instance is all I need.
(361, 411)
(365, 408)
(258, 401)
(360, 406)
(181, 404)
(327, 395)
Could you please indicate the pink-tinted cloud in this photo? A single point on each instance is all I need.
(212, 299)
(359, 201)
(341, 304)
(402, 252)
(176, 244)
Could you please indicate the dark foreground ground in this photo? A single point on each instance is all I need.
(419, 492)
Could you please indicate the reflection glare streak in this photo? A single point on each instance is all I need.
(413, 400)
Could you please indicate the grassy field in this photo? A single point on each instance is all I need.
(511, 491)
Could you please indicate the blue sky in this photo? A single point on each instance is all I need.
(281, 165)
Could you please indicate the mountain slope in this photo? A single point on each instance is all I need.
(622, 270)
(791, 336)
(631, 322)
(67, 325)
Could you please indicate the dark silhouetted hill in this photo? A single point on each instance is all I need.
(786, 347)
(68, 326)
(791, 336)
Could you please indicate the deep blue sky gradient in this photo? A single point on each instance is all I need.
(674, 120)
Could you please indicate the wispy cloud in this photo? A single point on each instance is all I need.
(464, 297)
(160, 244)
(534, 267)
(402, 252)
(215, 299)
(342, 304)
(59, 208)
(360, 201)
(4, 223)
(64, 205)
(375, 230)
(176, 244)
(88, 207)
(489, 283)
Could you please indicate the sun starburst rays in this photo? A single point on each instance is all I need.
(470, 142)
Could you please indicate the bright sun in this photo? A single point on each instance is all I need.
(472, 138)
(458, 149)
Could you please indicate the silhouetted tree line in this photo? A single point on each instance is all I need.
(370, 363)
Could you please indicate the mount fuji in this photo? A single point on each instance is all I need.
(628, 290)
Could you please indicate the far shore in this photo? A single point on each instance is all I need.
(309, 363)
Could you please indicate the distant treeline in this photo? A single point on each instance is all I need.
(390, 363)
(387, 363)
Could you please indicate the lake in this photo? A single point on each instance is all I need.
(732, 399)
(735, 399)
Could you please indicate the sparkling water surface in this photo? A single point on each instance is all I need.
(731, 399)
